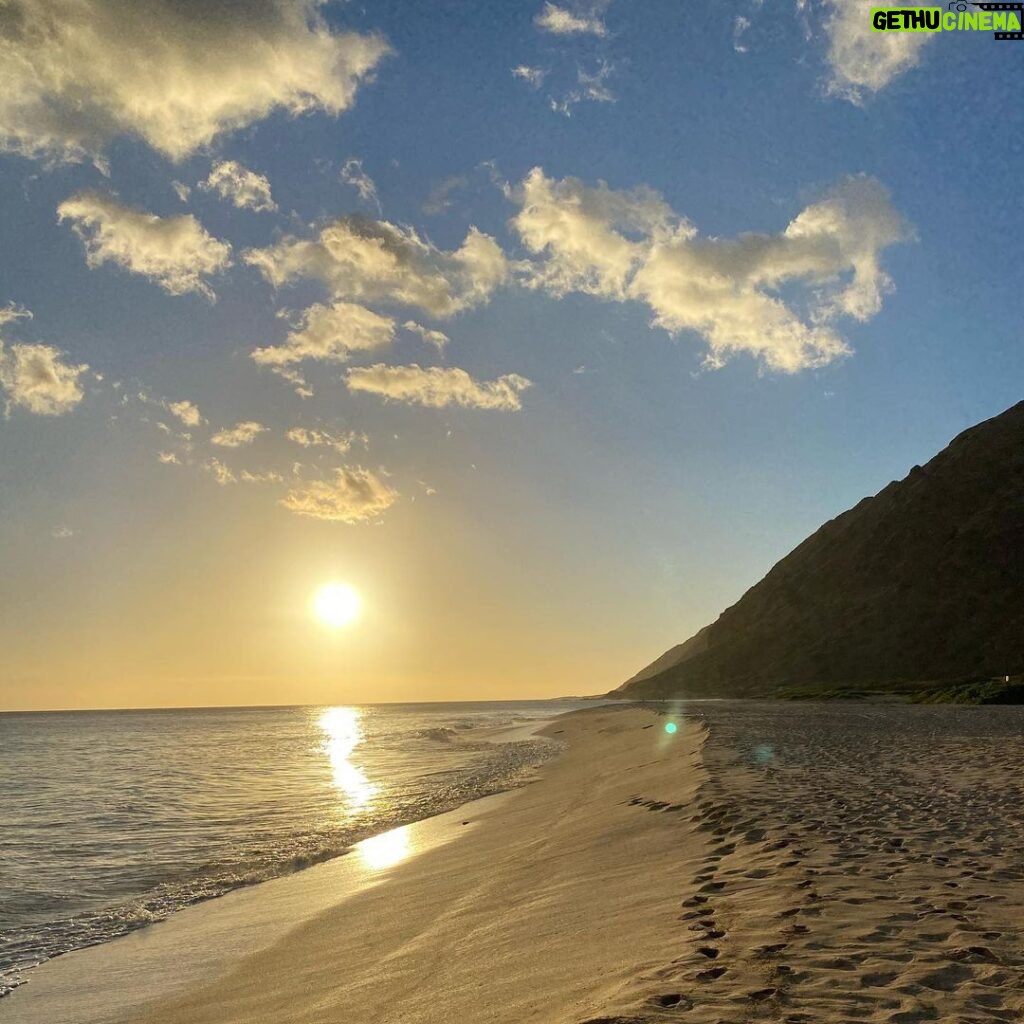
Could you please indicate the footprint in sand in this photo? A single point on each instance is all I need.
(710, 974)
(974, 955)
(878, 979)
(674, 999)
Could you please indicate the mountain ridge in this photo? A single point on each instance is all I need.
(921, 583)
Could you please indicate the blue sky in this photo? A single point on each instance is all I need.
(574, 488)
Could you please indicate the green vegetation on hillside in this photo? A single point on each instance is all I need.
(974, 690)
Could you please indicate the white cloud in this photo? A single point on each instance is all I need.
(36, 377)
(563, 21)
(436, 338)
(354, 495)
(246, 189)
(331, 333)
(174, 252)
(437, 387)
(341, 443)
(632, 246)
(533, 77)
(168, 458)
(181, 190)
(863, 61)
(62, 533)
(352, 173)
(238, 435)
(594, 238)
(177, 73)
(185, 411)
(364, 260)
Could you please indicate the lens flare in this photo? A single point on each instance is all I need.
(670, 728)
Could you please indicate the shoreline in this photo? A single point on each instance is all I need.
(126, 917)
(488, 929)
(202, 939)
(110, 981)
(379, 923)
(768, 861)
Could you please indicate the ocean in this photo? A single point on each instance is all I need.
(113, 820)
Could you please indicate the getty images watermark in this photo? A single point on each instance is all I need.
(1004, 20)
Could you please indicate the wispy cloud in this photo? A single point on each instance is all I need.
(174, 252)
(313, 438)
(590, 86)
(532, 76)
(437, 387)
(353, 495)
(238, 435)
(583, 72)
(739, 29)
(78, 73)
(298, 382)
(352, 173)
(244, 188)
(223, 474)
(440, 197)
(436, 338)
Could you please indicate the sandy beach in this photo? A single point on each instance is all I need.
(768, 861)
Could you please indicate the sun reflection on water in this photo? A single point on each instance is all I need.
(343, 734)
(386, 850)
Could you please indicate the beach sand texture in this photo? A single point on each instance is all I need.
(770, 861)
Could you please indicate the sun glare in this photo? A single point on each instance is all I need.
(336, 604)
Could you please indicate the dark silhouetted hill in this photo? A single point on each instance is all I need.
(923, 583)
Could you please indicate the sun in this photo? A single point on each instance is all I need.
(337, 604)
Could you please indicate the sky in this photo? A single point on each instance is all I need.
(548, 327)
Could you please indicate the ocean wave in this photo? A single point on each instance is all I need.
(408, 786)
